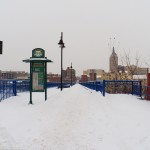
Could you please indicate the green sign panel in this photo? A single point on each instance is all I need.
(38, 77)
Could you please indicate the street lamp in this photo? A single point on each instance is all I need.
(61, 44)
(71, 74)
(1, 46)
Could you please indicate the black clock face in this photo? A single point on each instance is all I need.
(38, 53)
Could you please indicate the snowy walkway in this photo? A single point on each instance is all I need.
(74, 119)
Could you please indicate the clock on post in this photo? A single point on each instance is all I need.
(38, 53)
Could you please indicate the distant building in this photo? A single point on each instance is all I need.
(84, 78)
(53, 77)
(22, 75)
(17, 75)
(68, 75)
(93, 74)
(113, 62)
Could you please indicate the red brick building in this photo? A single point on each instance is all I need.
(68, 75)
(84, 78)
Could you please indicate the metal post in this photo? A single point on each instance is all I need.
(71, 77)
(61, 67)
(30, 102)
(61, 43)
(3, 89)
(45, 81)
(140, 89)
(71, 74)
(96, 85)
(147, 85)
(104, 87)
(15, 88)
(132, 88)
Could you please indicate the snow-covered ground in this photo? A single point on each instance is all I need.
(74, 119)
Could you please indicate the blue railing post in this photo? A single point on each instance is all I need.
(103, 87)
(132, 88)
(15, 88)
(96, 84)
(3, 90)
(141, 89)
(93, 87)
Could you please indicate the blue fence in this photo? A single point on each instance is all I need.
(10, 88)
(147, 92)
(133, 87)
(95, 85)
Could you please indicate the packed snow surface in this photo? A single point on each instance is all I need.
(74, 119)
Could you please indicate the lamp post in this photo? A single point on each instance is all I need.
(1, 47)
(62, 45)
(71, 74)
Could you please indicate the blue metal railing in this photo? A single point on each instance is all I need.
(147, 92)
(95, 85)
(10, 88)
(134, 85)
(6, 89)
(58, 84)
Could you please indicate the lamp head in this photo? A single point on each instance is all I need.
(61, 43)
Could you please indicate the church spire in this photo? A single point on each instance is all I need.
(113, 50)
(113, 61)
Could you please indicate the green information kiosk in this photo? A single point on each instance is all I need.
(38, 72)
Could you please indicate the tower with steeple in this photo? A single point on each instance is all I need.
(113, 61)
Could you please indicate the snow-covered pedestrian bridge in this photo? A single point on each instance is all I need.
(74, 119)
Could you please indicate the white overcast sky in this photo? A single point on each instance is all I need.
(87, 26)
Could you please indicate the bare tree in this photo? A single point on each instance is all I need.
(148, 66)
(127, 62)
